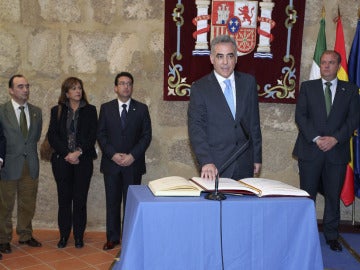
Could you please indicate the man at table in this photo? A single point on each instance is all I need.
(124, 134)
(323, 143)
(220, 124)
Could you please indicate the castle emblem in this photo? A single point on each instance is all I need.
(239, 19)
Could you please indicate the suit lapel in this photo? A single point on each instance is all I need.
(34, 118)
(217, 93)
(317, 93)
(11, 116)
(240, 99)
(115, 112)
(339, 96)
(132, 110)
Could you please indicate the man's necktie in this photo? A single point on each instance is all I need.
(123, 115)
(328, 97)
(23, 122)
(229, 96)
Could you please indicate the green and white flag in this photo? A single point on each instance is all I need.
(319, 49)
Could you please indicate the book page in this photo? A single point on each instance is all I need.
(258, 186)
(270, 187)
(174, 186)
(226, 185)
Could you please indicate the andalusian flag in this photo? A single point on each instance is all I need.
(319, 49)
(347, 193)
(354, 77)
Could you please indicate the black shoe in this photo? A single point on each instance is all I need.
(110, 245)
(32, 242)
(79, 243)
(334, 245)
(62, 243)
(5, 248)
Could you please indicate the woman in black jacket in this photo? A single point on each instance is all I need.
(72, 134)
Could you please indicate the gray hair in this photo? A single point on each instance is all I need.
(222, 39)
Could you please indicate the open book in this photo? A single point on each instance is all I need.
(174, 186)
(258, 186)
(179, 186)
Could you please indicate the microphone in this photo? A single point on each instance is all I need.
(216, 195)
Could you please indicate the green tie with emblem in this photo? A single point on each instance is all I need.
(23, 122)
(328, 97)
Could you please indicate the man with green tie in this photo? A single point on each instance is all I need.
(327, 113)
(22, 125)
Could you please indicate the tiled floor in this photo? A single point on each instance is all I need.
(47, 257)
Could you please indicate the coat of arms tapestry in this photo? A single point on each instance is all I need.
(268, 34)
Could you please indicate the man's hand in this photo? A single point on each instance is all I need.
(117, 158)
(73, 157)
(257, 169)
(209, 171)
(122, 159)
(326, 143)
(127, 159)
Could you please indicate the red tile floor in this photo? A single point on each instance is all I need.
(91, 256)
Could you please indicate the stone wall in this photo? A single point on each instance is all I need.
(49, 40)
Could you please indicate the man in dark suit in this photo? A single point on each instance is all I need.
(22, 124)
(217, 128)
(2, 153)
(2, 147)
(323, 143)
(124, 134)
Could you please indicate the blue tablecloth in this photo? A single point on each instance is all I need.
(241, 232)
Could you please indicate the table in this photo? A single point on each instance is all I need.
(241, 232)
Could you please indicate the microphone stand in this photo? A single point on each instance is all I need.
(216, 195)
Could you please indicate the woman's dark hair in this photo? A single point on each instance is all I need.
(66, 85)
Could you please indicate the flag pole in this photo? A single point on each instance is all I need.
(353, 213)
(353, 205)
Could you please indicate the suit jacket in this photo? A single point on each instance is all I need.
(85, 133)
(2, 144)
(133, 139)
(214, 133)
(312, 121)
(17, 148)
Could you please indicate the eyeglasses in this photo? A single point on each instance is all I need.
(125, 83)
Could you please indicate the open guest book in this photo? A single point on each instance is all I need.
(174, 186)
(179, 186)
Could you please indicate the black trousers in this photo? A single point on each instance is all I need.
(72, 183)
(320, 173)
(116, 187)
